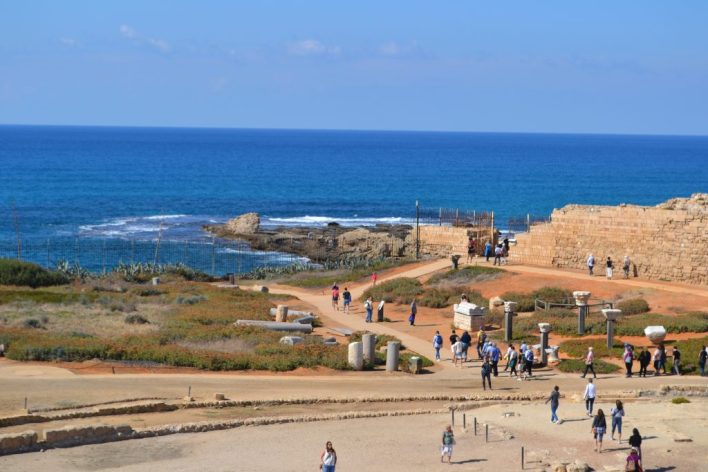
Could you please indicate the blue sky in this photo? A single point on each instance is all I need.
(551, 66)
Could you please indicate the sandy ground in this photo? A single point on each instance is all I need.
(403, 444)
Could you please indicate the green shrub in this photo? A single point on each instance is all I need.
(693, 322)
(446, 295)
(136, 318)
(190, 299)
(14, 272)
(466, 275)
(680, 400)
(578, 348)
(578, 365)
(150, 293)
(527, 301)
(400, 290)
(634, 306)
(32, 323)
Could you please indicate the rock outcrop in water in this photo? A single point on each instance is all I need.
(248, 223)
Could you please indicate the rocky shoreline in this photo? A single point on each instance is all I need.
(320, 243)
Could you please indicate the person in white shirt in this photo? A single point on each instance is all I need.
(457, 351)
(589, 396)
(328, 459)
(591, 264)
(589, 360)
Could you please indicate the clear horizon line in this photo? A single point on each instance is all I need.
(249, 128)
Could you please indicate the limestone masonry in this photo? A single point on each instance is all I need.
(666, 242)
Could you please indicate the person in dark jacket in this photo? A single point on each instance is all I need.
(466, 339)
(599, 426)
(644, 360)
(702, 356)
(676, 354)
(486, 373)
(635, 441)
(554, 398)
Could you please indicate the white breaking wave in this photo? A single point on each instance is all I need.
(323, 220)
(141, 226)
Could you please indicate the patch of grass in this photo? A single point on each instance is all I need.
(37, 296)
(634, 306)
(446, 295)
(136, 319)
(14, 272)
(578, 366)
(401, 290)
(466, 275)
(189, 299)
(578, 348)
(150, 293)
(693, 322)
(327, 278)
(382, 340)
(32, 323)
(680, 400)
(526, 301)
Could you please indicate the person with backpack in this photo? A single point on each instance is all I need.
(628, 358)
(554, 398)
(617, 414)
(448, 440)
(481, 338)
(486, 374)
(599, 426)
(676, 368)
(437, 344)
(644, 360)
(633, 462)
(466, 341)
(414, 311)
(589, 363)
(528, 356)
(369, 306)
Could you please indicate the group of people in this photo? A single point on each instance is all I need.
(500, 251)
(609, 266)
(346, 298)
(659, 359)
(599, 423)
(490, 355)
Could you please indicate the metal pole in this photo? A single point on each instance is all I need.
(47, 253)
(486, 433)
(440, 221)
(213, 257)
(491, 229)
(104, 257)
(528, 222)
(522, 457)
(452, 412)
(475, 426)
(464, 420)
(417, 230)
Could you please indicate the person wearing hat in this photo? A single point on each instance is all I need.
(589, 360)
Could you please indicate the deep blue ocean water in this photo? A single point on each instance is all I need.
(126, 183)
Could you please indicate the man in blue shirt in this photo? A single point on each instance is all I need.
(495, 355)
(528, 355)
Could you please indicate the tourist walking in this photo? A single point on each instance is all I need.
(506, 247)
(610, 266)
(702, 356)
(414, 311)
(506, 357)
(448, 440)
(617, 413)
(513, 362)
(457, 352)
(628, 358)
(374, 278)
(369, 306)
(328, 459)
(644, 360)
(528, 358)
(591, 264)
(347, 300)
(437, 344)
(554, 398)
(335, 297)
(589, 363)
(487, 250)
(656, 358)
(453, 337)
(633, 462)
(676, 354)
(466, 340)
(498, 252)
(626, 264)
(635, 440)
(481, 338)
(589, 396)
(495, 355)
(486, 373)
(470, 249)
(599, 426)
(662, 358)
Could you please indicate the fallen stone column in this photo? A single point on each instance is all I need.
(275, 326)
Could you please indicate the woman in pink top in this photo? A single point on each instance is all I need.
(374, 277)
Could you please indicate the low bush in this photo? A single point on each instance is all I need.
(680, 400)
(402, 290)
(445, 295)
(32, 323)
(14, 272)
(136, 318)
(189, 299)
(466, 275)
(527, 301)
(578, 366)
(634, 306)
(150, 293)
(693, 322)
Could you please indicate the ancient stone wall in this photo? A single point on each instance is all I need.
(666, 242)
(446, 240)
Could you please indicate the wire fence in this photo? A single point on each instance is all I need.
(473, 218)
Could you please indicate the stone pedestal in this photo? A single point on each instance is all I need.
(468, 316)
(356, 356)
(611, 315)
(369, 341)
(581, 300)
(509, 311)
(392, 350)
(545, 329)
(281, 314)
(552, 352)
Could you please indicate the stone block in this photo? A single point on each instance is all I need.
(14, 443)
